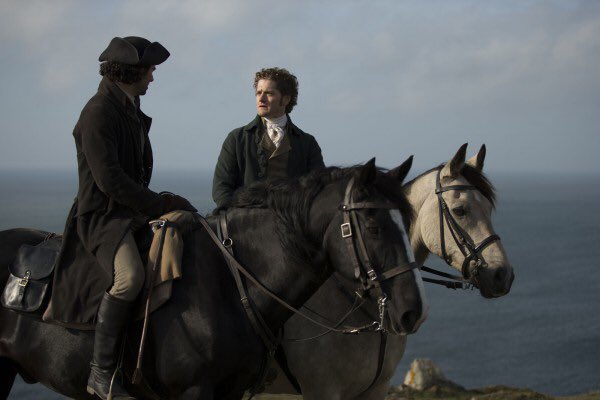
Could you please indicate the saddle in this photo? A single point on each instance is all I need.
(30, 276)
(28, 289)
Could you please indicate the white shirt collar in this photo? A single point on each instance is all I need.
(279, 121)
(275, 128)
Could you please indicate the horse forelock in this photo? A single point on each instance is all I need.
(393, 191)
(478, 179)
(474, 176)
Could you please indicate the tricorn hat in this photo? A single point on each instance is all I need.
(134, 50)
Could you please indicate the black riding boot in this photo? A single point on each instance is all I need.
(113, 316)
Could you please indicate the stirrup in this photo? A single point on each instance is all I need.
(110, 396)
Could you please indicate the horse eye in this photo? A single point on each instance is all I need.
(459, 211)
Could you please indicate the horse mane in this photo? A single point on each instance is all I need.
(291, 198)
(474, 176)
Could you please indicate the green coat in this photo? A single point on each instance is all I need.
(114, 160)
(243, 160)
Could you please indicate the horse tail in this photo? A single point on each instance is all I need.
(7, 377)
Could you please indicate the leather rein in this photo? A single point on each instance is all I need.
(466, 245)
(364, 270)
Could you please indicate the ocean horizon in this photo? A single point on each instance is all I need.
(544, 335)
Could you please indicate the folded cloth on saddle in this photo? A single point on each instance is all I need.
(170, 261)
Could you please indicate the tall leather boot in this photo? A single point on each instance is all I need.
(113, 316)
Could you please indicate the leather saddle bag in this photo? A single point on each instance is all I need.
(31, 275)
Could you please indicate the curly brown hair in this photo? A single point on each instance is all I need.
(287, 83)
(123, 73)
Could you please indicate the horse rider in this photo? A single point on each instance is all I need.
(113, 202)
(270, 146)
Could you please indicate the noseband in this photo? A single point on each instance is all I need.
(467, 247)
(364, 270)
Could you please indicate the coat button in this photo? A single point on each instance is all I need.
(260, 174)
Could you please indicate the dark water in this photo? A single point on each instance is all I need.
(544, 335)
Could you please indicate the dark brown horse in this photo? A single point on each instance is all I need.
(201, 345)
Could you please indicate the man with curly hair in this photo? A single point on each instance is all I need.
(270, 146)
(101, 273)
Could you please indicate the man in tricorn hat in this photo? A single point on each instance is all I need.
(270, 146)
(113, 203)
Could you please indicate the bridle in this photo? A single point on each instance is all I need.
(370, 279)
(364, 270)
(466, 245)
(368, 276)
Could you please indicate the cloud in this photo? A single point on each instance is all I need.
(469, 56)
(31, 22)
(435, 69)
(54, 36)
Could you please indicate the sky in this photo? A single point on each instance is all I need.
(383, 79)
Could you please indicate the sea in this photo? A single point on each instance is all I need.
(544, 335)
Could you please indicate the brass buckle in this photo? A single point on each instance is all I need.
(346, 230)
(24, 281)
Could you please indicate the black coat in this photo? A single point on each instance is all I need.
(113, 197)
(242, 160)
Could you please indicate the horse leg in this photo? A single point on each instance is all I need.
(7, 377)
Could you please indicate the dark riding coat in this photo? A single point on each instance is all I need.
(243, 160)
(114, 160)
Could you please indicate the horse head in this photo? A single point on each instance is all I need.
(360, 221)
(454, 204)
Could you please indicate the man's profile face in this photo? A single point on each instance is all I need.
(269, 101)
(141, 86)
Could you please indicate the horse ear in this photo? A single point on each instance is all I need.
(477, 160)
(367, 173)
(400, 172)
(453, 167)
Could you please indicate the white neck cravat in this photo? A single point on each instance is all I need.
(276, 128)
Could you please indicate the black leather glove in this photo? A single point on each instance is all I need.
(174, 202)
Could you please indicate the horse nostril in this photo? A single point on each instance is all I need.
(500, 276)
(408, 321)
